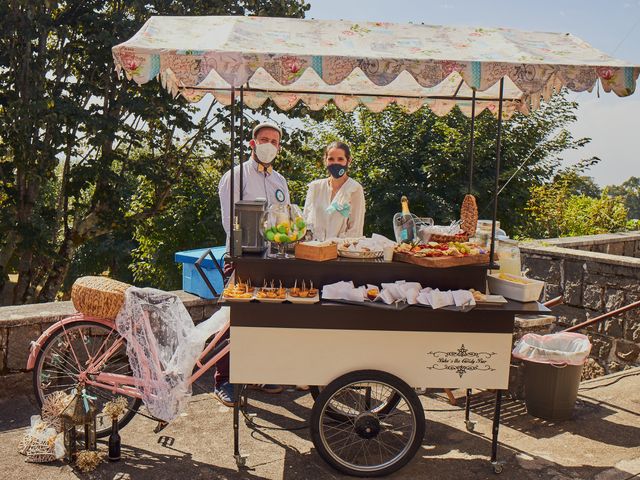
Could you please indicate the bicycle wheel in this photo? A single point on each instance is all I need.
(57, 366)
(366, 443)
(383, 405)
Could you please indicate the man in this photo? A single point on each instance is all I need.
(259, 180)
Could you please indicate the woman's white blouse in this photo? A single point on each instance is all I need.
(324, 213)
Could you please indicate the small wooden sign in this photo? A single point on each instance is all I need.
(441, 262)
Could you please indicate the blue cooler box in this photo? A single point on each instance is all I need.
(192, 281)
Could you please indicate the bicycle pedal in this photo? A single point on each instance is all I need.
(160, 426)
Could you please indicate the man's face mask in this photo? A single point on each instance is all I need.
(336, 170)
(266, 152)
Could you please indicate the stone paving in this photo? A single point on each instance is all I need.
(601, 442)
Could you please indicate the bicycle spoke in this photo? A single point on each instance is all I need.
(71, 351)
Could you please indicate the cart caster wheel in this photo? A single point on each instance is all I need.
(471, 425)
(497, 468)
(241, 460)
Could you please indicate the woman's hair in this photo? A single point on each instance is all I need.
(341, 145)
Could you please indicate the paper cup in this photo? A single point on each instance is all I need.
(387, 253)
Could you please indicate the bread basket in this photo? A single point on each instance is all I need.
(98, 296)
(469, 217)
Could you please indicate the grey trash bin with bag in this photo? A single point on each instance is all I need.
(553, 367)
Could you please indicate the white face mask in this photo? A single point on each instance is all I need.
(266, 152)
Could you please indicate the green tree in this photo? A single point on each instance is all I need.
(426, 157)
(555, 211)
(70, 125)
(630, 191)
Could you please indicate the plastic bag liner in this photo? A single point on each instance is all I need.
(163, 345)
(565, 348)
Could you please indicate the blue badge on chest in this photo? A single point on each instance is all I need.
(280, 195)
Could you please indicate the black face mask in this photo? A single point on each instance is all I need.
(336, 170)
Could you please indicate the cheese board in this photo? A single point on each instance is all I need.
(442, 261)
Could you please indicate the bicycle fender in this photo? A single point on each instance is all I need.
(36, 345)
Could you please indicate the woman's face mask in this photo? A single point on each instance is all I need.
(337, 162)
(336, 170)
(266, 152)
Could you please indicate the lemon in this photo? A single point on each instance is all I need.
(293, 236)
(283, 227)
(300, 223)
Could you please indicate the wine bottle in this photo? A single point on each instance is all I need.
(114, 442)
(404, 224)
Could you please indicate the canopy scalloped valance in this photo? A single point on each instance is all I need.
(315, 61)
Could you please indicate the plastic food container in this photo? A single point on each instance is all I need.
(515, 288)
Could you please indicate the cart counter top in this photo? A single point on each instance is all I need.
(257, 268)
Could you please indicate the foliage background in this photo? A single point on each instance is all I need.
(100, 175)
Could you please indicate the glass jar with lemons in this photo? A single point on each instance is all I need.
(283, 225)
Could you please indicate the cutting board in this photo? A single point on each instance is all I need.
(441, 262)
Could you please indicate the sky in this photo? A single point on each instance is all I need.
(612, 26)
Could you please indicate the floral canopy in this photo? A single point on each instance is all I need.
(314, 61)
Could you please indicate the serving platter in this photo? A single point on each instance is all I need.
(237, 299)
(359, 254)
(441, 262)
(303, 300)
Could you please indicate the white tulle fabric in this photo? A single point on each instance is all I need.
(163, 345)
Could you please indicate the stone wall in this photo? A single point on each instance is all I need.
(22, 324)
(593, 283)
(626, 244)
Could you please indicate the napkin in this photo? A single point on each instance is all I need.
(439, 299)
(463, 298)
(336, 290)
(344, 291)
(400, 291)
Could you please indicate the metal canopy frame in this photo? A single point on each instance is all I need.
(500, 99)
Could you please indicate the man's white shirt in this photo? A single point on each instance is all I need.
(256, 184)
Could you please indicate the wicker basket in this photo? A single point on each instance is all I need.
(98, 296)
(469, 217)
(359, 254)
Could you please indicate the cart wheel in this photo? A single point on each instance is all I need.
(383, 406)
(367, 443)
(497, 468)
(471, 425)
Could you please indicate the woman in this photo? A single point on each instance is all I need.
(335, 206)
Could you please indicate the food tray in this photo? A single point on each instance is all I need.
(441, 262)
(303, 300)
(527, 292)
(237, 299)
(368, 303)
(270, 300)
(356, 254)
(492, 300)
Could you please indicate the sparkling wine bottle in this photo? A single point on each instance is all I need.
(404, 225)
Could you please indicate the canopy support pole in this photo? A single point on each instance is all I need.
(472, 143)
(497, 176)
(232, 142)
(241, 139)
